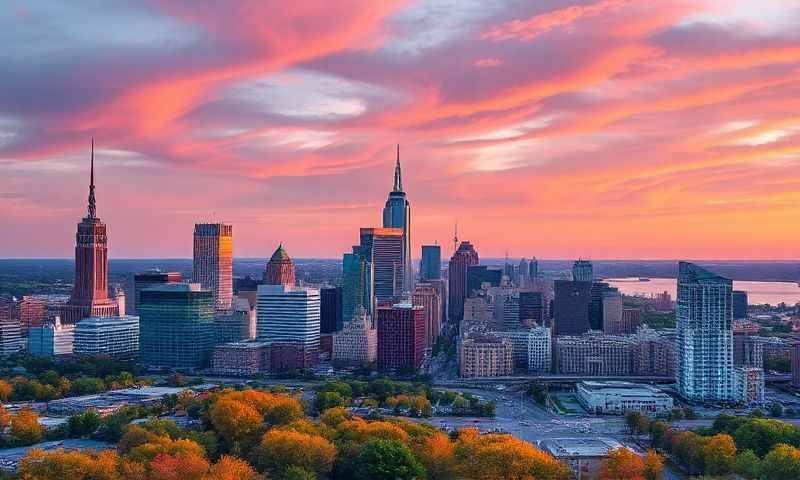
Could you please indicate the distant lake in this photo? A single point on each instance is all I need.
(772, 293)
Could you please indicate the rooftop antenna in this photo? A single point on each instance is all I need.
(92, 209)
(455, 239)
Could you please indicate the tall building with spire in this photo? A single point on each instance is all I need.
(212, 265)
(280, 269)
(90, 294)
(397, 214)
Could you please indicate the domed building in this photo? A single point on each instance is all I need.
(280, 269)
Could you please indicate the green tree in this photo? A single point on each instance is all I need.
(748, 465)
(761, 434)
(387, 460)
(83, 424)
(776, 410)
(632, 422)
(326, 400)
(781, 463)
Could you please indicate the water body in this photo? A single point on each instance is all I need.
(758, 293)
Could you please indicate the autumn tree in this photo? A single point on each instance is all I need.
(5, 417)
(781, 463)
(61, 465)
(236, 422)
(25, 427)
(280, 449)
(622, 463)
(5, 390)
(653, 465)
(232, 468)
(180, 466)
(437, 455)
(719, 454)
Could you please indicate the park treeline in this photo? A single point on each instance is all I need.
(752, 447)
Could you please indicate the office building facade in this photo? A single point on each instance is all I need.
(593, 354)
(357, 285)
(357, 342)
(485, 356)
(582, 271)
(460, 262)
(212, 265)
(51, 339)
(384, 249)
(288, 318)
(401, 337)
(397, 214)
(331, 319)
(427, 296)
(150, 278)
(116, 337)
(430, 267)
(571, 307)
(739, 298)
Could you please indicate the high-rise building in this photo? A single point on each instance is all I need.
(739, 304)
(51, 339)
(795, 356)
(531, 308)
(107, 336)
(533, 269)
(149, 279)
(90, 294)
(357, 342)
(401, 337)
(598, 291)
(540, 350)
(397, 214)
(427, 296)
(289, 320)
(593, 354)
(479, 276)
(571, 307)
(279, 269)
(705, 335)
(582, 271)
(212, 267)
(11, 339)
(36, 310)
(430, 267)
(383, 247)
(330, 309)
(462, 259)
(176, 325)
(748, 385)
(485, 356)
(235, 325)
(9, 309)
(357, 284)
(631, 319)
(612, 313)
(523, 273)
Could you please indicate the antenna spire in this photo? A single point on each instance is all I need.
(398, 180)
(92, 207)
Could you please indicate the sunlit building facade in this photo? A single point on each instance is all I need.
(212, 265)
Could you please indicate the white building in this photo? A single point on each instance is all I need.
(52, 339)
(704, 347)
(540, 350)
(288, 314)
(748, 385)
(112, 336)
(357, 342)
(620, 397)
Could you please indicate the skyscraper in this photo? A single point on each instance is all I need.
(571, 307)
(289, 320)
(461, 260)
(149, 279)
(397, 214)
(739, 304)
(213, 261)
(176, 325)
(90, 294)
(582, 271)
(357, 285)
(597, 292)
(430, 267)
(533, 269)
(401, 337)
(477, 275)
(427, 296)
(330, 309)
(279, 269)
(383, 247)
(705, 335)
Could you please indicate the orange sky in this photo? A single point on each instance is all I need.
(556, 128)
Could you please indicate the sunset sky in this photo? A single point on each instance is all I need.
(599, 128)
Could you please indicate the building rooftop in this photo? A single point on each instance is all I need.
(621, 388)
(103, 321)
(580, 447)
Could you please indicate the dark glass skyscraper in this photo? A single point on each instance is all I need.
(176, 325)
(384, 249)
(571, 307)
(397, 214)
(739, 304)
(582, 271)
(150, 278)
(330, 309)
(430, 267)
(357, 284)
(462, 259)
(477, 275)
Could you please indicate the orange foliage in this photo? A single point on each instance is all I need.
(358, 430)
(622, 463)
(503, 456)
(282, 449)
(5, 390)
(60, 465)
(25, 426)
(438, 456)
(231, 468)
(183, 466)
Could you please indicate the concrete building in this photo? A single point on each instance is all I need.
(427, 296)
(461, 260)
(597, 293)
(235, 325)
(401, 337)
(51, 339)
(482, 277)
(11, 339)
(290, 316)
(237, 359)
(430, 267)
(90, 291)
(150, 278)
(116, 337)
(748, 385)
(612, 314)
(652, 354)
(540, 350)
(279, 269)
(357, 342)
(478, 315)
(571, 307)
(485, 356)
(631, 319)
(212, 266)
(618, 398)
(583, 455)
(176, 325)
(705, 335)
(592, 354)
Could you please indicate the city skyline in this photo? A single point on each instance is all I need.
(561, 129)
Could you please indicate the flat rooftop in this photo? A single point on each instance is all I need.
(620, 388)
(580, 447)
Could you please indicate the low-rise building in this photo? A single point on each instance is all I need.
(617, 398)
(51, 340)
(116, 337)
(593, 354)
(240, 358)
(540, 351)
(357, 342)
(582, 455)
(234, 325)
(486, 356)
(11, 339)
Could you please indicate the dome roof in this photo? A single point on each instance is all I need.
(280, 255)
